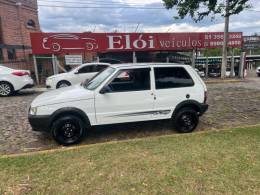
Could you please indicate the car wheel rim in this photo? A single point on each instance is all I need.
(5, 89)
(69, 132)
(187, 122)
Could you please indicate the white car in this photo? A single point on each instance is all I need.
(12, 80)
(119, 94)
(200, 72)
(75, 76)
(258, 71)
(228, 73)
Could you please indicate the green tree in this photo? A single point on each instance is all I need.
(198, 9)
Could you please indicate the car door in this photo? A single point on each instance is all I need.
(128, 97)
(85, 72)
(172, 86)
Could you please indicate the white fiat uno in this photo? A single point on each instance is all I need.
(119, 94)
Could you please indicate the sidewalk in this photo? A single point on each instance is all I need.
(227, 80)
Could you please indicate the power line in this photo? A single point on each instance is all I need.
(95, 5)
(89, 2)
(101, 7)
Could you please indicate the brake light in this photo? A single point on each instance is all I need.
(20, 73)
(205, 97)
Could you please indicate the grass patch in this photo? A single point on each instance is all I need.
(225, 162)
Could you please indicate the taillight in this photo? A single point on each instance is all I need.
(205, 97)
(20, 73)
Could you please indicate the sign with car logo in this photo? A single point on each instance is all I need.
(63, 43)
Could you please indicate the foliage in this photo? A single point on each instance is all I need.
(220, 162)
(218, 52)
(198, 9)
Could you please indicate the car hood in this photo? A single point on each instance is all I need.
(58, 75)
(62, 95)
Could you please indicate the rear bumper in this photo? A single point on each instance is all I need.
(40, 122)
(28, 86)
(203, 108)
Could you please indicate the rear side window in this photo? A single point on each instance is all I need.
(172, 77)
(87, 69)
(100, 68)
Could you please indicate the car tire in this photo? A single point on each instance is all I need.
(61, 84)
(185, 120)
(6, 89)
(68, 130)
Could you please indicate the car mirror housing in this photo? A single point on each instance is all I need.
(104, 90)
(76, 72)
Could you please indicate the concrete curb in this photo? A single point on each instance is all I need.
(39, 89)
(64, 149)
(223, 81)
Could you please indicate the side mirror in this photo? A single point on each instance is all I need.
(76, 72)
(104, 90)
(85, 82)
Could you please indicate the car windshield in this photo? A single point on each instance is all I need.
(99, 78)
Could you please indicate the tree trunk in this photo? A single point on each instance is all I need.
(225, 44)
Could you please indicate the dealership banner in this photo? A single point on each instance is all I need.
(65, 43)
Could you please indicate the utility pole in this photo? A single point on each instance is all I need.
(225, 44)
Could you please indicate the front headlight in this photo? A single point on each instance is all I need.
(33, 110)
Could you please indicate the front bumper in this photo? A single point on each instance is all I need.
(40, 122)
(50, 84)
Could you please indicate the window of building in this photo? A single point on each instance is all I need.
(172, 77)
(11, 54)
(131, 80)
(31, 24)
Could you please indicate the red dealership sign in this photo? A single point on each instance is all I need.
(57, 43)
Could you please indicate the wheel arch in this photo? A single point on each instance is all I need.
(188, 104)
(14, 88)
(63, 80)
(70, 111)
(6, 81)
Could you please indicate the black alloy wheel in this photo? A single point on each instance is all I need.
(186, 120)
(68, 130)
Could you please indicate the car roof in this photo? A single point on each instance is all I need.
(131, 65)
(95, 63)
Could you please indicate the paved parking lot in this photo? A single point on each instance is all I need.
(231, 104)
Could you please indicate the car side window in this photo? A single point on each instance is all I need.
(87, 69)
(100, 67)
(131, 80)
(172, 77)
